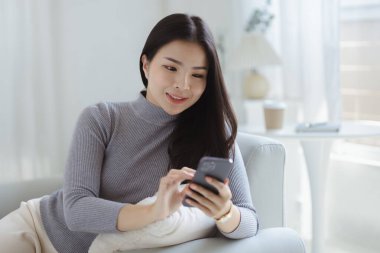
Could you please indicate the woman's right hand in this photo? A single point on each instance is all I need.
(169, 198)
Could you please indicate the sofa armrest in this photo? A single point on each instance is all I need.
(12, 193)
(271, 240)
(264, 159)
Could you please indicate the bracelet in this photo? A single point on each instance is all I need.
(226, 216)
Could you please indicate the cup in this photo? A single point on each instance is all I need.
(274, 114)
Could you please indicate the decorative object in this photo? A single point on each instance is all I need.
(253, 52)
(260, 19)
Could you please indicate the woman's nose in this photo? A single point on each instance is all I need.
(183, 83)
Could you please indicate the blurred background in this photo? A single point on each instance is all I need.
(321, 58)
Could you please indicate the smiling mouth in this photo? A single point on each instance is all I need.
(174, 99)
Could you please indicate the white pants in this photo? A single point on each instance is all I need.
(22, 230)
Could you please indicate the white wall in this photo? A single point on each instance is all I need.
(98, 47)
(101, 42)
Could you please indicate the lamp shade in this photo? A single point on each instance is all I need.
(254, 51)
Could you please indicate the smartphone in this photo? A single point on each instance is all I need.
(218, 168)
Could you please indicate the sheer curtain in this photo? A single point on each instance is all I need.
(30, 134)
(310, 66)
(56, 58)
(310, 53)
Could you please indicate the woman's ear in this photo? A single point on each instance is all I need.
(145, 65)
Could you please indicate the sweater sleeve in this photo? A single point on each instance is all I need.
(83, 209)
(241, 197)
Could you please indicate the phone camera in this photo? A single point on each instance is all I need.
(208, 166)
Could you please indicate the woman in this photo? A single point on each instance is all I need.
(122, 153)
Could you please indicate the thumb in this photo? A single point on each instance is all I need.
(184, 190)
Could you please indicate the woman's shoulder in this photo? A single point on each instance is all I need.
(106, 110)
(104, 116)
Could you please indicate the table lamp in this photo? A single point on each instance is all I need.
(254, 52)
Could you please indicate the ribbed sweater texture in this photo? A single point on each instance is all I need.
(118, 155)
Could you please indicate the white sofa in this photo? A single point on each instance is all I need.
(264, 159)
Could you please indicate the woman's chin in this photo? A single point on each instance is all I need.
(173, 112)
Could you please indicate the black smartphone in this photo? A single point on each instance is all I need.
(218, 168)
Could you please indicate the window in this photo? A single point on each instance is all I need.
(360, 62)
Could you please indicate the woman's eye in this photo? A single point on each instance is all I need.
(170, 68)
(198, 76)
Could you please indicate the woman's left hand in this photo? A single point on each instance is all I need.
(213, 205)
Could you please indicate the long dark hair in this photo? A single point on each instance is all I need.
(208, 127)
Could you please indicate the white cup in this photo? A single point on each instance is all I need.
(274, 114)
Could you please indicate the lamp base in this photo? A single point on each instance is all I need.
(255, 86)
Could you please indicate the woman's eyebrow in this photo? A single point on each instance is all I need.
(180, 63)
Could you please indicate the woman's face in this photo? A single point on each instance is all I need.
(176, 76)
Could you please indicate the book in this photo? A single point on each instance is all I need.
(317, 127)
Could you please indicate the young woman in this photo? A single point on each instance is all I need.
(124, 152)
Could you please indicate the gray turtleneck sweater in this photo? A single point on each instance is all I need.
(118, 155)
